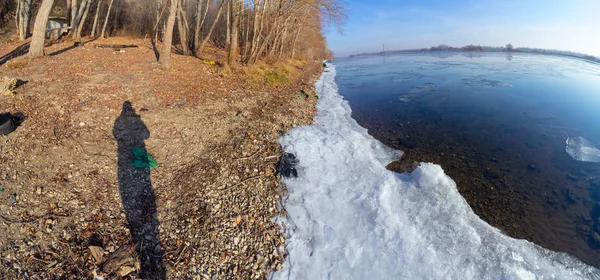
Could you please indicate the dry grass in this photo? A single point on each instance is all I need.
(276, 74)
(17, 63)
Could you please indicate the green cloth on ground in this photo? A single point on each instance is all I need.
(142, 159)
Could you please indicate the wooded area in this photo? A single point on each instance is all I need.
(245, 30)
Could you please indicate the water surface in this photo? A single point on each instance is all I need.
(499, 126)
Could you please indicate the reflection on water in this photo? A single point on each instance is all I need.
(518, 133)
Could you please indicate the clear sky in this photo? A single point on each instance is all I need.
(572, 25)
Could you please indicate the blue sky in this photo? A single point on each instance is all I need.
(572, 25)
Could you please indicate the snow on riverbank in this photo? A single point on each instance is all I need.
(350, 218)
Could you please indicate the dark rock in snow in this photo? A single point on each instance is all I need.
(287, 165)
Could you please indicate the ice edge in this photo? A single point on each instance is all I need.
(350, 218)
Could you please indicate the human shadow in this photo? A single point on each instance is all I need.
(137, 194)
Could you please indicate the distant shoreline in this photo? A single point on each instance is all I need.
(585, 57)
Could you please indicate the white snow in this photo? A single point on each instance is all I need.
(582, 149)
(350, 218)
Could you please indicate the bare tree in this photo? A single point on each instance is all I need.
(235, 12)
(81, 23)
(96, 19)
(245, 30)
(106, 19)
(36, 48)
(165, 56)
(73, 10)
(23, 15)
(212, 28)
(199, 23)
(182, 28)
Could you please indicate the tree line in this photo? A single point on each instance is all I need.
(247, 30)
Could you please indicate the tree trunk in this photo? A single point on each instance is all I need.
(158, 16)
(233, 47)
(182, 32)
(295, 42)
(23, 15)
(116, 14)
(75, 26)
(228, 26)
(96, 19)
(36, 48)
(210, 31)
(165, 56)
(199, 24)
(83, 18)
(106, 19)
(247, 44)
(68, 14)
(257, 32)
(73, 13)
(17, 18)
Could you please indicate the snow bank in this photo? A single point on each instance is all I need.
(350, 218)
(582, 149)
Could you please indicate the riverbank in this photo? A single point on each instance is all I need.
(213, 135)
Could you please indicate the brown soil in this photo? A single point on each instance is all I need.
(71, 199)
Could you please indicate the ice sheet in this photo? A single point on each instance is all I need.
(350, 218)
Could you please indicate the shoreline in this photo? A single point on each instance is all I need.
(353, 218)
(508, 53)
(214, 137)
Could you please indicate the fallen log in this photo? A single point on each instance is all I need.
(111, 46)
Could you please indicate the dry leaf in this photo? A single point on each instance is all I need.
(97, 253)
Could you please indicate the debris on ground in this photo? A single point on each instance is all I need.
(7, 123)
(287, 165)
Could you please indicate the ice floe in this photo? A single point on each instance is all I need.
(481, 82)
(582, 149)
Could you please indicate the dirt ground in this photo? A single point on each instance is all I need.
(71, 203)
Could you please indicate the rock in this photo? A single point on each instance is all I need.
(585, 217)
(12, 199)
(572, 177)
(408, 143)
(492, 173)
(7, 85)
(596, 238)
